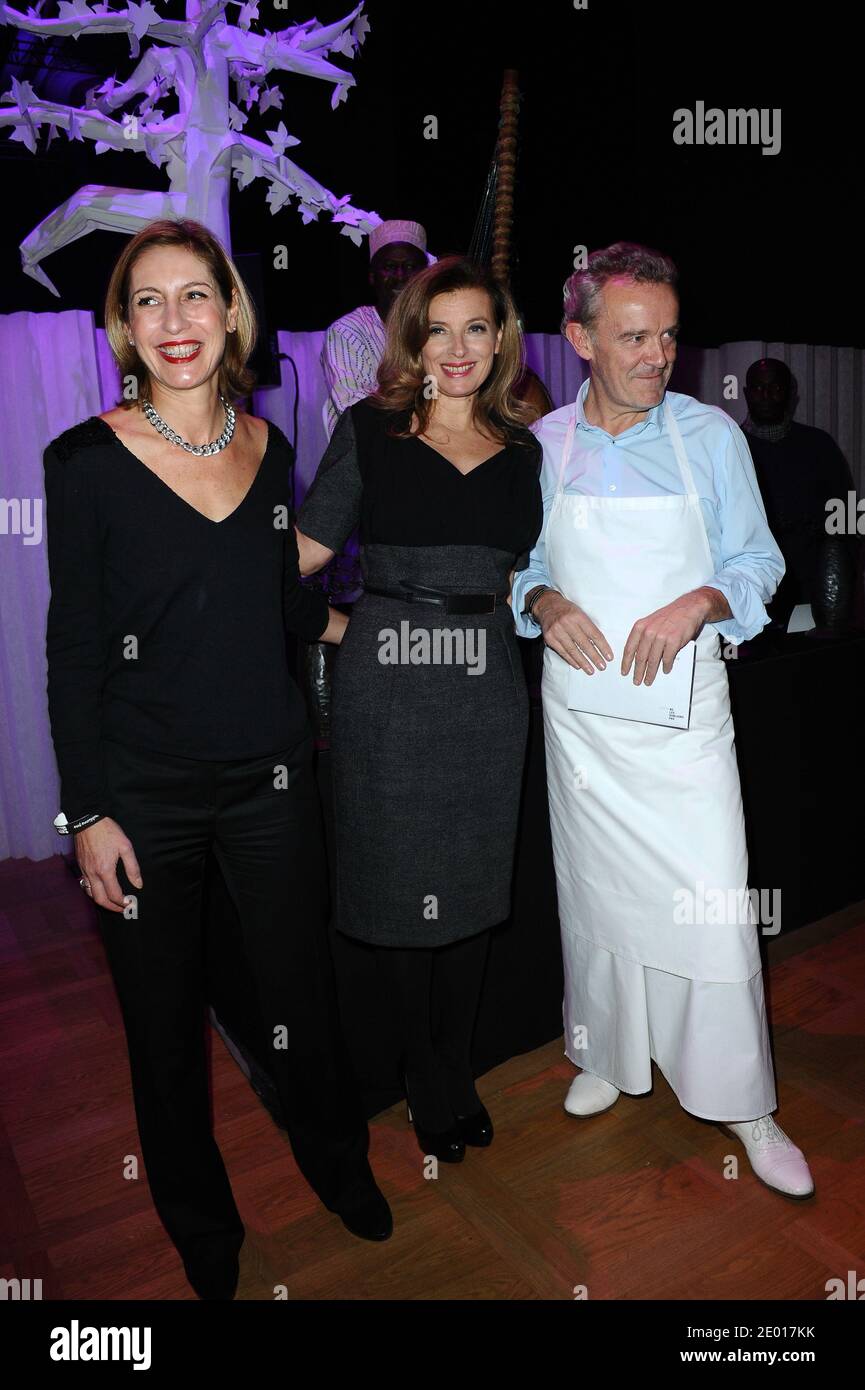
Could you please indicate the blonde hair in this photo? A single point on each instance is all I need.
(235, 379)
(401, 376)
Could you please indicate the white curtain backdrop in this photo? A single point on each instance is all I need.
(48, 381)
(57, 370)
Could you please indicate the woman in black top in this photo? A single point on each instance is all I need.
(430, 711)
(178, 728)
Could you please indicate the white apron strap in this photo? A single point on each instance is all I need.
(679, 447)
(687, 474)
(566, 449)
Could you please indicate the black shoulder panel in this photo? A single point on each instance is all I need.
(89, 434)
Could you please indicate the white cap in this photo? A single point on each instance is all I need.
(388, 232)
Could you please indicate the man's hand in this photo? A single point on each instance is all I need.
(97, 850)
(662, 635)
(571, 633)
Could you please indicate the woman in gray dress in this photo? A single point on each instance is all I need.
(430, 710)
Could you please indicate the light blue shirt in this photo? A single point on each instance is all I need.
(641, 462)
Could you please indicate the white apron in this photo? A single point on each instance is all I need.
(641, 814)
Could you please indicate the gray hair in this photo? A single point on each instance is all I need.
(582, 290)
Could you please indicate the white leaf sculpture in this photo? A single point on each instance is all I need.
(201, 144)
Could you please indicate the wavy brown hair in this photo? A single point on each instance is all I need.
(401, 378)
(235, 380)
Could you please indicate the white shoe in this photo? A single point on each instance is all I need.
(775, 1159)
(590, 1095)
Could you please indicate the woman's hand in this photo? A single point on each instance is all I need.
(312, 556)
(572, 634)
(335, 630)
(97, 850)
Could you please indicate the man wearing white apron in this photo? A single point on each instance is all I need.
(654, 531)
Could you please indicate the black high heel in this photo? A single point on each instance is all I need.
(476, 1130)
(447, 1145)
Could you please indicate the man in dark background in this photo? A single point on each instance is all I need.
(354, 344)
(799, 469)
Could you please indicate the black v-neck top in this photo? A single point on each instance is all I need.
(166, 631)
(405, 492)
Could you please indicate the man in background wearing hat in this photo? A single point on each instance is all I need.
(354, 344)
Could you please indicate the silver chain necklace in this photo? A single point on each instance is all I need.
(173, 437)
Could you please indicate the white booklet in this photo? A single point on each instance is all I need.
(801, 619)
(666, 701)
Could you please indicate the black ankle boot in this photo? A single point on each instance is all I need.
(213, 1270)
(368, 1214)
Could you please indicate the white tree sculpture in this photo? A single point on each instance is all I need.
(202, 143)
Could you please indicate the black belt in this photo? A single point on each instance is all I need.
(451, 603)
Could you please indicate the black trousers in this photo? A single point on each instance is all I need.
(262, 819)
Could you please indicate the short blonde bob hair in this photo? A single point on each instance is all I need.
(235, 379)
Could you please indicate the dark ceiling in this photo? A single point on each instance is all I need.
(757, 237)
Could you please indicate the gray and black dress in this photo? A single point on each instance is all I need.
(427, 756)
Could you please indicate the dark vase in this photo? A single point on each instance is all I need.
(832, 603)
(315, 672)
(341, 581)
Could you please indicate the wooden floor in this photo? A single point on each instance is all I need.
(631, 1204)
